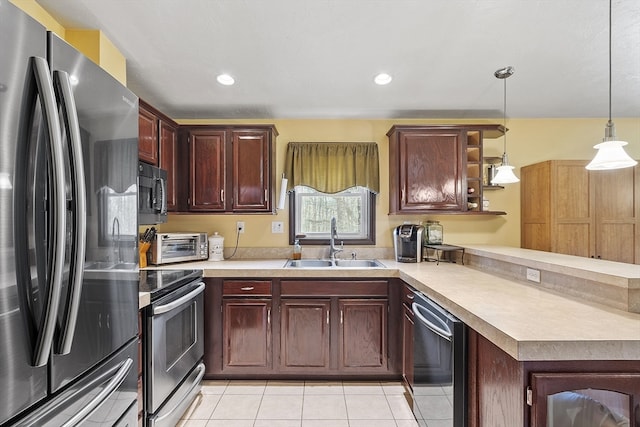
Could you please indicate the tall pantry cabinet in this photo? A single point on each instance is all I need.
(568, 209)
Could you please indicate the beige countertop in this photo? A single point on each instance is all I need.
(525, 321)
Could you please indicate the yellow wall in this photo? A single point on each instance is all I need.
(529, 141)
(93, 43)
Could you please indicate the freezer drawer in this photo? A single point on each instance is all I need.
(106, 394)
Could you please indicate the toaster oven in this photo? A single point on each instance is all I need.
(178, 247)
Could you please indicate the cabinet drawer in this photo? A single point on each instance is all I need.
(407, 295)
(246, 287)
(368, 288)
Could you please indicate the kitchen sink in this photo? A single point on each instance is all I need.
(108, 265)
(339, 263)
(359, 263)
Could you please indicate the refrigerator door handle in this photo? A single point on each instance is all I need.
(57, 211)
(104, 394)
(70, 117)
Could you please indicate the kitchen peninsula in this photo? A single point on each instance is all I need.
(518, 328)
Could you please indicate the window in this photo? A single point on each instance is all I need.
(311, 212)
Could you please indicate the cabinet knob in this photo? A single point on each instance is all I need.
(247, 288)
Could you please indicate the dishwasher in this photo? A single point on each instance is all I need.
(439, 365)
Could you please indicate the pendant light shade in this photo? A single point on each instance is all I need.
(611, 154)
(505, 173)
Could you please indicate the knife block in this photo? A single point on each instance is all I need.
(143, 248)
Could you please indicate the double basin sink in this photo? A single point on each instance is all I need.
(338, 263)
(108, 265)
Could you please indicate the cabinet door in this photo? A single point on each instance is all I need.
(169, 161)
(304, 334)
(246, 333)
(363, 334)
(147, 136)
(430, 170)
(572, 216)
(584, 399)
(616, 214)
(207, 171)
(251, 185)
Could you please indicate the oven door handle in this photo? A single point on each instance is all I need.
(177, 303)
(443, 331)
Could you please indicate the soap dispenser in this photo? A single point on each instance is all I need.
(297, 250)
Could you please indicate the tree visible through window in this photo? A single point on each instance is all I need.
(311, 212)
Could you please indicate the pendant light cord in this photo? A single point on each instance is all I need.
(610, 30)
(504, 117)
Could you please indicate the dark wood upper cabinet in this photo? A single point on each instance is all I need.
(231, 169)
(158, 145)
(437, 168)
(147, 135)
(251, 166)
(169, 161)
(207, 170)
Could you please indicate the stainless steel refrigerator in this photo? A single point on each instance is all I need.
(68, 234)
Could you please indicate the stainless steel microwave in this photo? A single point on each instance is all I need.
(178, 247)
(152, 194)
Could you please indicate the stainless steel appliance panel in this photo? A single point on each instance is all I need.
(99, 399)
(17, 337)
(175, 344)
(439, 365)
(152, 197)
(108, 120)
(55, 218)
(170, 413)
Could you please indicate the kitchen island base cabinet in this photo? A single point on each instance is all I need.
(505, 392)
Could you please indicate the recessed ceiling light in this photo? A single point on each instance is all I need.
(73, 79)
(383, 79)
(225, 79)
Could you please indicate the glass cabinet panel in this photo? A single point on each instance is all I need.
(585, 399)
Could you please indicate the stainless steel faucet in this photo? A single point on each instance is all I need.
(116, 238)
(333, 250)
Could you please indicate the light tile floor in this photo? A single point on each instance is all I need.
(299, 404)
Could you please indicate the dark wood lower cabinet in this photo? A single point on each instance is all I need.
(247, 334)
(304, 334)
(363, 334)
(282, 328)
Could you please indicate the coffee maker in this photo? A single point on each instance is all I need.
(407, 242)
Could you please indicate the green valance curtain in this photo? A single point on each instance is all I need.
(331, 167)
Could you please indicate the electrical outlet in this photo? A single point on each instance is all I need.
(240, 226)
(533, 275)
(277, 227)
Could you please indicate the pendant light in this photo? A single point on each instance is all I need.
(610, 153)
(505, 173)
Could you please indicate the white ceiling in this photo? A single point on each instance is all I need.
(317, 58)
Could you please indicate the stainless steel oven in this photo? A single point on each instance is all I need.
(173, 344)
(439, 365)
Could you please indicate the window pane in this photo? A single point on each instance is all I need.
(314, 211)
